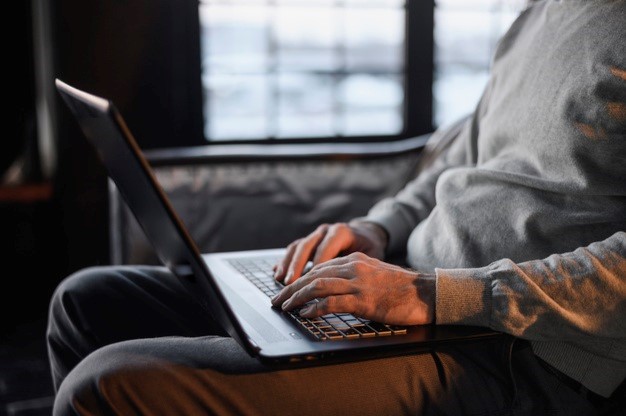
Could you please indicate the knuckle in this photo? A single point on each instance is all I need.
(353, 257)
(337, 304)
(318, 285)
(324, 306)
(350, 304)
(322, 228)
(297, 295)
(339, 229)
(315, 285)
(335, 227)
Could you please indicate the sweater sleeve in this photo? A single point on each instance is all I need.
(567, 297)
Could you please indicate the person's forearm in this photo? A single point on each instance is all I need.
(568, 296)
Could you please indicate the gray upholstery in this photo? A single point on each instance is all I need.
(236, 206)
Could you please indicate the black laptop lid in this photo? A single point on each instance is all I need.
(105, 128)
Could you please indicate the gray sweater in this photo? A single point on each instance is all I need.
(523, 220)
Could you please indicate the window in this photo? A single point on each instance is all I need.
(466, 34)
(297, 69)
(332, 69)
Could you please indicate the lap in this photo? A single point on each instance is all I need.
(150, 348)
(197, 374)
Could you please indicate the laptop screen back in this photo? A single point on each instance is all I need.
(105, 128)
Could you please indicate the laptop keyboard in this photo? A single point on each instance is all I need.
(332, 326)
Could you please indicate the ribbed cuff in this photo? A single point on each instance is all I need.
(463, 297)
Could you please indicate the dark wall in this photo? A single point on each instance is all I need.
(142, 54)
(27, 214)
(20, 137)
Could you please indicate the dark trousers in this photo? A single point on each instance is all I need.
(130, 341)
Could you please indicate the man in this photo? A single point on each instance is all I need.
(518, 226)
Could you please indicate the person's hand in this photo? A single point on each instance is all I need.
(327, 242)
(365, 287)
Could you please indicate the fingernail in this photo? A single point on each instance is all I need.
(288, 278)
(276, 296)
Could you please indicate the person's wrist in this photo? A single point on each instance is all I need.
(427, 292)
(377, 230)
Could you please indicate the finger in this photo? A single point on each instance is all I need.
(332, 304)
(326, 270)
(282, 266)
(332, 268)
(344, 266)
(337, 239)
(289, 290)
(318, 288)
(303, 252)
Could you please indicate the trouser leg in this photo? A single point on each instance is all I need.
(213, 375)
(101, 306)
(134, 344)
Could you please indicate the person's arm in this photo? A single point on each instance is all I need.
(570, 296)
(563, 297)
(363, 286)
(386, 228)
(388, 224)
(372, 234)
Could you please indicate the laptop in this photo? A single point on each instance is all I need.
(236, 287)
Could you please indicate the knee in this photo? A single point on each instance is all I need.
(79, 286)
(84, 280)
(80, 299)
(95, 385)
(116, 379)
(89, 286)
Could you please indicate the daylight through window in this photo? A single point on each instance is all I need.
(466, 35)
(302, 68)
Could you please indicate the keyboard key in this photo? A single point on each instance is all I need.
(351, 333)
(335, 321)
(381, 329)
(366, 331)
(398, 330)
